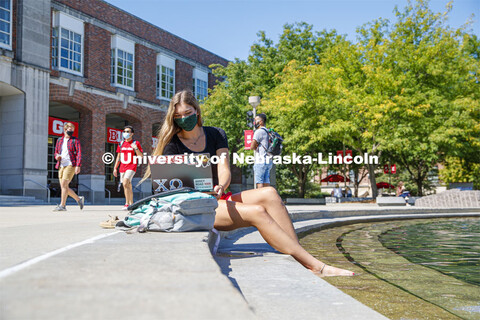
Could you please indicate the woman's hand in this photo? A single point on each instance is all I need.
(219, 190)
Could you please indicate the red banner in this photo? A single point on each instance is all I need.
(347, 153)
(248, 135)
(114, 135)
(386, 169)
(389, 169)
(55, 127)
(393, 168)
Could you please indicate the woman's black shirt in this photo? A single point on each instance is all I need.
(215, 138)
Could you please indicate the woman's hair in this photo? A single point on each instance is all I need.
(68, 125)
(169, 127)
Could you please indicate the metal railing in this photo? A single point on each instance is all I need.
(93, 193)
(139, 190)
(38, 184)
(109, 195)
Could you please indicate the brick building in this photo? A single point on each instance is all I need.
(92, 64)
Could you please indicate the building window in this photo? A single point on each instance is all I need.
(71, 51)
(200, 89)
(122, 68)
(55, 47)
(109, 177)
(200, 84)
(122, 63)
(6, 24)
(67, 43)
(165, 82)
(51, 162)
(165, 76)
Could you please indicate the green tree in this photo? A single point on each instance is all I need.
(227, 105)
(433, 104)
(460, 170)
(408, 89)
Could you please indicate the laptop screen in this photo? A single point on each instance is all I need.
(177, 171)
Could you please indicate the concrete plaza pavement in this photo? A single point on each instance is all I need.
(64, 266)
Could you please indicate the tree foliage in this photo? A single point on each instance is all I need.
(406, 91)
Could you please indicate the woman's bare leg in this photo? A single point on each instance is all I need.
(269, 198)
(231, 215)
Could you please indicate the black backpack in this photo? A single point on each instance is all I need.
(274, 143)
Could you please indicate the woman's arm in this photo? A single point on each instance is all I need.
(224, 173)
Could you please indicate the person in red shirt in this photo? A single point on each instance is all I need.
(126, 151)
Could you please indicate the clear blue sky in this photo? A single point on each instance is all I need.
(229, 27)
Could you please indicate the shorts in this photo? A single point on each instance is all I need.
(261, 172)
(66, 173)
(127, 175)
(226, 196)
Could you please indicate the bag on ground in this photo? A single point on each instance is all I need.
(177, 210)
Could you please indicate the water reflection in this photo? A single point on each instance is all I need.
(403, 288)
(451, 247)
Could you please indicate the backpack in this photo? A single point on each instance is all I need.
(178, 210)
(274, 143)
(121, 143)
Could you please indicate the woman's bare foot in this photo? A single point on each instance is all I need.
(329, 271)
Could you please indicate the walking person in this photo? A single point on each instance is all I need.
(68, 154)
(263, 162)
(126, 151)
(183, 132)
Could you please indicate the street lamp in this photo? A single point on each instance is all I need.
(254, 101)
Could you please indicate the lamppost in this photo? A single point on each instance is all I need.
(254, 101)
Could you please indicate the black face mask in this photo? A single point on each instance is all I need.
(257, 125)
(70, 133)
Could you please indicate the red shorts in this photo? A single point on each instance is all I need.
(226, 196)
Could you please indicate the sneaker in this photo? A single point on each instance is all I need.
(110, 223)
(119, 187)
(125, 207)
(59, 208)
(81, 202)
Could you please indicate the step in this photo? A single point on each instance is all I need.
(7, 197)
(7, 200)
(18, 203)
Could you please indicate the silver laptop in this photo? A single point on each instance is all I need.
(177, 171)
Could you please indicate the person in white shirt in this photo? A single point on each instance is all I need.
(263, 162)
(69, 157)
(337, 192)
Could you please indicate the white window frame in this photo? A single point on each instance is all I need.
(164, 61)
(198, 77)
(63, 22)
(128, 47)
(9, 45)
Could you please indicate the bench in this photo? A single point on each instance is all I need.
(319, 201)
(391, 201)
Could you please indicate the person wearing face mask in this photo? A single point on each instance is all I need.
(69, 158)
(126, 151)
(263, 163)
(183, 132)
